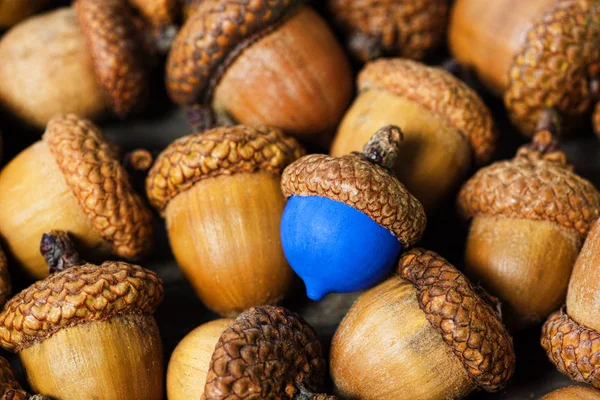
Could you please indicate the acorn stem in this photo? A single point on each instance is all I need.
(549, 121)
(59, 252)
(383, 147)
(139, 160)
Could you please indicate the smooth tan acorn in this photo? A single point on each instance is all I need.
(267, 352)
(272, 63)
(10, 389)
(390, 28)
(71, 180)
(537, 54)
(530, 216)
(14, 11)
(423, 334)
(573, 393)
(447, 127)
(84, 60)
(219, 193)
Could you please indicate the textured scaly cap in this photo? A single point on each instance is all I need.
(376, 28)
(10, 389)
(92, 170)
(5, 286)
(76, 296)
(537, 184)
(440, 92)
(360, 181)
(559, 58)
(220, 151)
(469, 325)
(117, 51)
(266, 353)
(212, 38)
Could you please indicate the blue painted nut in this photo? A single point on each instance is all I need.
(348, 218)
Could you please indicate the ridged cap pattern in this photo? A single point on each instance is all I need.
(559, 57)
(158, 12)
(573, 348)
(265, 354)
(91, 168)
(5, 285)
(365, 186)
(211, 38)
(76, 296)
(467, 323)
(404, 28)
(440, 92)
(220, 151)
(117, 52)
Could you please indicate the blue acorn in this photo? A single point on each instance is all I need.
(348, 218)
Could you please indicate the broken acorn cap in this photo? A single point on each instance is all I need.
(433, 336)
(87, 331)
(347, 218)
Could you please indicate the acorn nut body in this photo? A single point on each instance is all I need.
(273, 63)
(537, 54)
(71, 180)
(219, 193)
(573, 393)
(447, 127)
(429, 336)
(347, 218)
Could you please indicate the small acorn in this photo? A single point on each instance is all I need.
(573, 393)
(348, 218)
(85, 59)
(423, 334)
(530, 216)
(71, 180)
(219, 193)
(446, 126)
(14, 11)
(10, 389)
(265, 353)
(273, 63)
(571, 338)
(405, 28)
(536, 54)
(87, 331)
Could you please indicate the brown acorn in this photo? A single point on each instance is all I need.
(528, 213)
(423, 334)
(266, 353)
(14, 11)
(71, 180)
(537, 54)
(87, 331)
(446, 126)
(85, 60)
(405, 28)
(261, 62)
(573, 393)
(219, 193)
(571, 338)
(10, 389)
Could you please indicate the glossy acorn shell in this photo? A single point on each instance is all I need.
(573, 393)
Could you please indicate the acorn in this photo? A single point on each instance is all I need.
(14, 11)
(86, 60)
(10, 389)
(219, 193)
(571, 338)
(447, 127)
(573, 393)
(527, 213)
(429, 335)
(389, 28)
(87, 331)
(347, 218)
(537, 55)
(265, 353)
(71, 180)
(272, 63)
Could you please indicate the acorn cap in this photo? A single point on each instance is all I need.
(378, 28)
(220, 151)
(5, 285)
(267, 352)
(441, 93)
(117, 51)
(212, 38)
(92, 170)
(467, 323)
(572, 347)
(533, 186)
(558, 59)
(360, 182)
(76, 296)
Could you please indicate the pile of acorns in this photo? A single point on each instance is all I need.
(246, 207)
